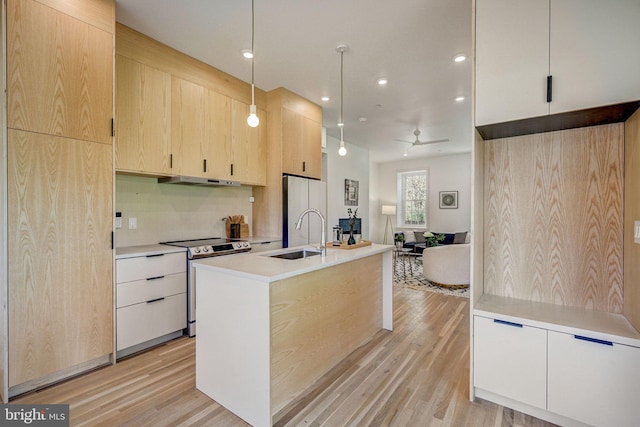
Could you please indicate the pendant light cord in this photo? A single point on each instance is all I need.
(252, 42)
(341, 86)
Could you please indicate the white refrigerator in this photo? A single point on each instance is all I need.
(299, 194)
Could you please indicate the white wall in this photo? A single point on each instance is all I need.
(354, 166)
(446, 173)
(167, 212)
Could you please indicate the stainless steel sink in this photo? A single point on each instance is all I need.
(303, 253)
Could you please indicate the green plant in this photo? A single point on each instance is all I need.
(432, 239)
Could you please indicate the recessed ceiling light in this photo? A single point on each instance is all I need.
(460, 58)
(459, 98)
(405, 154)
(382, 81)
(362, 119)
(247, 53)
(325, 98)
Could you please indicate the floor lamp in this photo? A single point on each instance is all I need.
(388, 210)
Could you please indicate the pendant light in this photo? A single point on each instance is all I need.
(342, 150)
(253, 119)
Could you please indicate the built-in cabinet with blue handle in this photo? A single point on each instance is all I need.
(585, 377)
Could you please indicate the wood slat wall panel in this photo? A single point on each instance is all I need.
(349, 311)
(73, 98)
(60, 297)
(553, 217)
(148, 51)
(632, 214)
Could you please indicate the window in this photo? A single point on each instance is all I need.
(412, 198)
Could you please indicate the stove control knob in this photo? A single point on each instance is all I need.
(196, 250)
(205, 249)
(245, 244)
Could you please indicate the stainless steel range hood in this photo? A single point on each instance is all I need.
(193, 180)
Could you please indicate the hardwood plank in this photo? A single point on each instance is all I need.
(417, 375)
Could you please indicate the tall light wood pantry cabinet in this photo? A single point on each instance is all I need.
(60, 189)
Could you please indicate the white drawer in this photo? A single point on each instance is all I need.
(142, 322)
(138, 291)
(144, 267)
(510, 359)
(594, 381)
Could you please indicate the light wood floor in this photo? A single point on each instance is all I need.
(417, 375)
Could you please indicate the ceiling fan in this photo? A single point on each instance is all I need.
(418, 142)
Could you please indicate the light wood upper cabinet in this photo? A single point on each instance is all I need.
(584, 45)
(301, 145)
(249, 158)
(60, 294)
(188, 128)
(59, 73)
(218, 133)
(143, 118)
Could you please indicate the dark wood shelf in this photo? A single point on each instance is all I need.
(574, 119)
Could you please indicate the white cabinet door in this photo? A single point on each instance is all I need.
(512, 59)
(510, 360)
(595, 382)
(594, 57)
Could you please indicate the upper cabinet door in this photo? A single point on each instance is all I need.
(218, 133)
(74, 97)
(187, 127)
(594, 56)
(301, 145)
(249, 153)
(143, 118)
(589, 47)
(512, 59)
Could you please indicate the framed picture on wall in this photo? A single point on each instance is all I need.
(448, 200)
(350, 192)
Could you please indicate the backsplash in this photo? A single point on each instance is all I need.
(167, 212)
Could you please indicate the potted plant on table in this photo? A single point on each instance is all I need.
(398, 239)
(432, 239)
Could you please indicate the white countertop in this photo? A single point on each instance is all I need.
(261, 266)
(145, 250)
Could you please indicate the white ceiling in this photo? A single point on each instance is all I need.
(411, 42)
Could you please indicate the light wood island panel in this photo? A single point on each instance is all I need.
(317, 319)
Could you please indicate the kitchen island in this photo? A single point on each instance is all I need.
(268, 328)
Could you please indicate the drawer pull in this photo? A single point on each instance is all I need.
(595, 340)
(154, 255)
(504, 322)
(155, 278)
(154, 300)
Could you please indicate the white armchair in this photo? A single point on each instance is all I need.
(447, 265)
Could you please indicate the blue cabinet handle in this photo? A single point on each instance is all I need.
(504, 322)
(595, 340)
